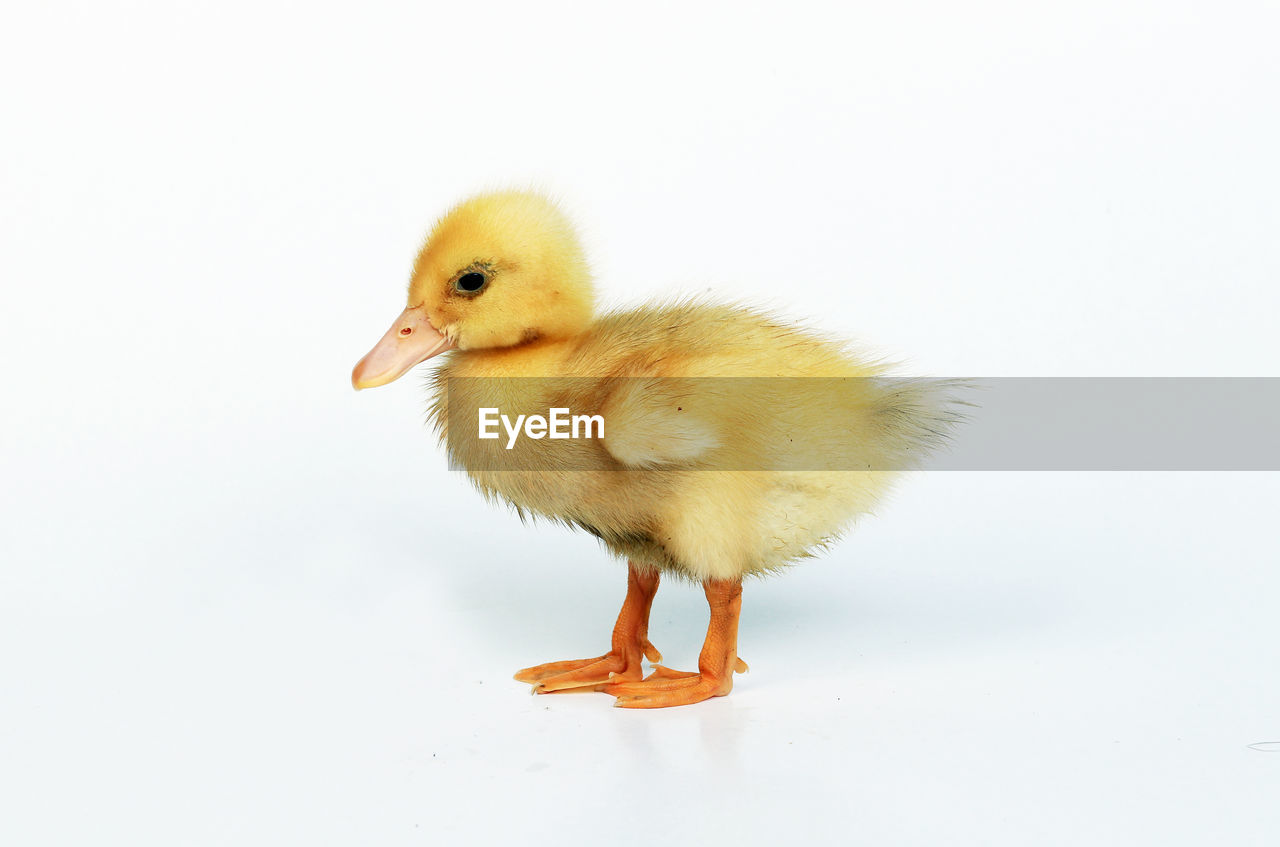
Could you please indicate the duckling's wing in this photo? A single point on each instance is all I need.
(653, 422)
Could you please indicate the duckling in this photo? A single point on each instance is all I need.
(732, 443)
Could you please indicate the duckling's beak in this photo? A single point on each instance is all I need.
(410, 341)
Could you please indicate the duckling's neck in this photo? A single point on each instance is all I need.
(536, 357)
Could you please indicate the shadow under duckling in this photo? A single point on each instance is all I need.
(730, 443)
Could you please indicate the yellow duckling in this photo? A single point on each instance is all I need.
(716, 441)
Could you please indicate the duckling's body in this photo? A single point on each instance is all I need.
(733, 443)
(683, 391)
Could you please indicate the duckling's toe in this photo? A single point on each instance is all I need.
(585, 674)
(589, 674)
(630, 646)
(666, 687)
(660, 674)
(538, 673)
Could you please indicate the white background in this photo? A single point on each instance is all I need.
(240, 604)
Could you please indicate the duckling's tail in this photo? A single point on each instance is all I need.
(915, 417)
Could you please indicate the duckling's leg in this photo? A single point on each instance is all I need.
(630, 643)
(716, 664)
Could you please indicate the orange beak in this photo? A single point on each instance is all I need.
(410, 341)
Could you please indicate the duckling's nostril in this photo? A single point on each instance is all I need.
(407, 331)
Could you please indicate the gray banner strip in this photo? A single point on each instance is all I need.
(1119, 424)
(858, 424)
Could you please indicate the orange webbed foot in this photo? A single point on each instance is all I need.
(589, 674)
(716, 664)
(630, 646)
(667, 687)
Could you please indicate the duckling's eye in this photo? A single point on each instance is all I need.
(471, 282)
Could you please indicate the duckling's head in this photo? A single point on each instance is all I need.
(499, 270)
